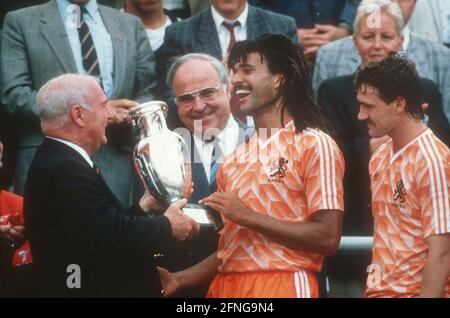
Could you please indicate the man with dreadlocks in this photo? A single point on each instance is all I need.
(280, 194)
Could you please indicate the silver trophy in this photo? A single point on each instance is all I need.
(162, 160)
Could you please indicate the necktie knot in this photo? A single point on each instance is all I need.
(230, 27)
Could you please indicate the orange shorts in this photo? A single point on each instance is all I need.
(267, 284)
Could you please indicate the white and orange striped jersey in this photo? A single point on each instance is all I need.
(289, 176)
(410, 201)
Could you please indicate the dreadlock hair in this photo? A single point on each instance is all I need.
(288, 59)
(393, 77)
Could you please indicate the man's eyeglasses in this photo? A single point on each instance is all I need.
(206, 94)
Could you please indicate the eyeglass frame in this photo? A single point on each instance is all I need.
(196, 93)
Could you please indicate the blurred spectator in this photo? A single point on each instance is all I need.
(338, 97)
(185, 8)
(214, 32)
(41, 42)
(198, 5)
(7, 6)
(178, 8)
(8, 136)
(318, 21)
(432, 59)
(16, 272)
(431, 20)
(118, 4)
(154, 18)
(8, 130)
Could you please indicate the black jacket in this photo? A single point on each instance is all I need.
(73, 218)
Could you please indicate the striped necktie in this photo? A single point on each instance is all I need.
(216, 157)
(88, 52)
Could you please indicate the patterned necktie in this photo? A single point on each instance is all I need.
(88, 52)
(230, 27)
(216, 156)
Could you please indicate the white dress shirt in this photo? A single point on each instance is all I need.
(100, 36)
(240, 32)
(156, 36)
(228, 140)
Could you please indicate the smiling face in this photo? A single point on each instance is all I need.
(254, 84)
(380, 117)
(211, 113)
(374, 43)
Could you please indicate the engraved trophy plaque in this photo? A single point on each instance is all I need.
(162, 160)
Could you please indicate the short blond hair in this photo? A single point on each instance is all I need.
(372, 6)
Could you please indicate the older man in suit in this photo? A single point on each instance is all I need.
(75, 224)
(433, 60)
(202, 89)
(80, 36)
(214, 32)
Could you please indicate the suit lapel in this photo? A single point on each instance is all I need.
(68, 151)
(207, 36)
(108, 191)
(119, 47)
(54, 33)
(255, 27)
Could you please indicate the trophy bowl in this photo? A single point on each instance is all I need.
(161, 159)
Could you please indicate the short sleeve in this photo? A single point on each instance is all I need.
(323, 166)
(433, 182)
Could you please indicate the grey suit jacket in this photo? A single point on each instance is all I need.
(198, 34)
(432, 60)
(35, 48)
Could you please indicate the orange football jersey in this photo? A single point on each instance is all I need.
(289, 176)
(410, 201)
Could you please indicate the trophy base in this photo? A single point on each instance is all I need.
(204, 215)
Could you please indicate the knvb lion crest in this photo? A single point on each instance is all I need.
(278, 170)
(399, 192)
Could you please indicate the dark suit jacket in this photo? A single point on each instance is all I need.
(198, 34)
(338, 97)
(73, 218)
